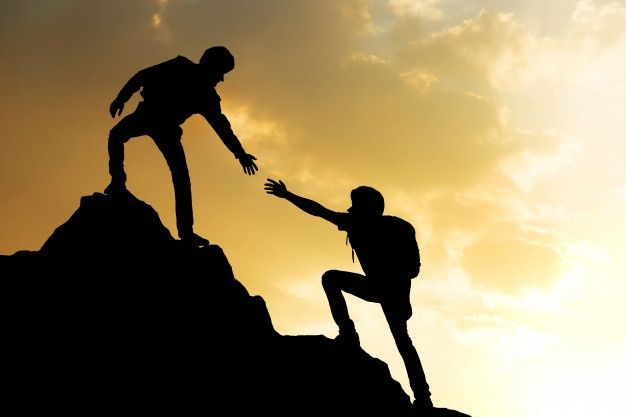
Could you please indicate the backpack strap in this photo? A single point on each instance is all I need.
(348, 242)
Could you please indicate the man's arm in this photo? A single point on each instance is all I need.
(222, 127)
(279, 189)
(138, 81)
(131, 87)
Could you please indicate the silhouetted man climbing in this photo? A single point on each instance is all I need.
(388, 253)
(173, 91)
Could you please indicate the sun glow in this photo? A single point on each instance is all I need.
(582, 389)
(496, 128)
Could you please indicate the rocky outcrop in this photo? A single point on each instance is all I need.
(114, 315)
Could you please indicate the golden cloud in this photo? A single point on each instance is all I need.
(510, 264)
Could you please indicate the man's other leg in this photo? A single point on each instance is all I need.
(334, 282)
(414, 369)
(129, 127)
(168, 142)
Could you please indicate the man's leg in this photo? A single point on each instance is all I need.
(414, 369)
(334, 282)
(168, 142)
(129, 127)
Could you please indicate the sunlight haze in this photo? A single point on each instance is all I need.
(497, 128)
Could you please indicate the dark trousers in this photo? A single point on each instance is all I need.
(167, 137)
(396, 305)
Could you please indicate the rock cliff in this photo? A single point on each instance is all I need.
(115, 315)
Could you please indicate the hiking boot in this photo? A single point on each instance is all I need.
(115, 188)
(423, 407)
(348, 338)
(193, 239)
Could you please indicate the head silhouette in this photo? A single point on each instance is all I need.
(218, 61)
(366, 202)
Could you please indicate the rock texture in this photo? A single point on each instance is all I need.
(114, 315)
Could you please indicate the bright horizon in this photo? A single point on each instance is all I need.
(496, 128)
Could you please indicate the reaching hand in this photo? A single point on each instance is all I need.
(116, 108)
(278, 188)
(247, 162)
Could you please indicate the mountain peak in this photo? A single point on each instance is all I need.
(112, 226)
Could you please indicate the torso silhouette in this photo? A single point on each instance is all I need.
(175, 90)
(381, 245)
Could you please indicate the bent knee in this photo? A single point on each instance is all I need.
(329, 277)
(115, 137)
(119, 135)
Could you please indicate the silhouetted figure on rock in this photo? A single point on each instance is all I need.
(388, 253)
(173, 91)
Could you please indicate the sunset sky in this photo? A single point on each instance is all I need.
(496, 127)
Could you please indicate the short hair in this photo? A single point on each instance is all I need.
(218, 57)
(369, 198)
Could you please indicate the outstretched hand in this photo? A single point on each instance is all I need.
(116, 108)
(278, 188)
(247, 162)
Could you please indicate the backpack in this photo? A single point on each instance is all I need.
(387, 247)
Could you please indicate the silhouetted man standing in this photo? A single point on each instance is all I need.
(382, 244)
(173, 91)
